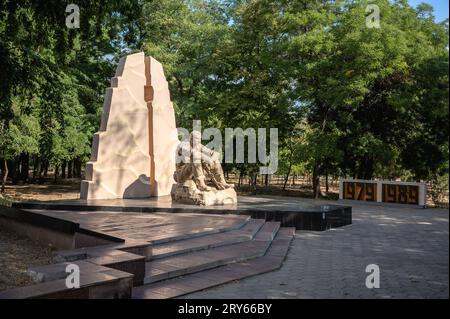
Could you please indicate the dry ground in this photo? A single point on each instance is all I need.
(17, 253)
(65, 189)
(70, 189)
(62, 190)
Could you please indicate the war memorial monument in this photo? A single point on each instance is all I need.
(144, 216)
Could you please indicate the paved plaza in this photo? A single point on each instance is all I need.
(410, 246)
(165, 255)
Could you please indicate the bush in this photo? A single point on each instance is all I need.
(439, 190)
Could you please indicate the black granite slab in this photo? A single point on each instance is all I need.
(291, 212)
(49, 222)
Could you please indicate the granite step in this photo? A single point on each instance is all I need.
(167, 234)
(245, 233)
(143, 248)
(96, 282)
(183, 285)
(178, 265)
(115, 259)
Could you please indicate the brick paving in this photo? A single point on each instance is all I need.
(409, 244)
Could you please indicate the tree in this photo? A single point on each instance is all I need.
(57, 75)
(391, 88)
(369, 102)
(187, 37)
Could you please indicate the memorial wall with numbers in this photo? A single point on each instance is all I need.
(383, 191)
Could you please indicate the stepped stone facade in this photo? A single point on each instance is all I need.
(163, 133)
(133, 154)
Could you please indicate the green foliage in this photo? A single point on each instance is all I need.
(320, 148)
(52, 83)
(22, 135)
(346, 99)
(187, 38)
(439, 189)
(387, 90)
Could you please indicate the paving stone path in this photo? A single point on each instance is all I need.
(410, 246)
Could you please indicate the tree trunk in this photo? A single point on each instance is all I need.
(56, 172)
(316, 182)
(287, 175)
(14, 170)
(40, 177)
(36, 168)
(24, 174)
(46, 168)
(63, 169)
(70, 169)
(266, 180)
(369, 169)
(41, 171)
(326, 182)
(5, 174)
(77, 168)
(365, 170)
(254, 180)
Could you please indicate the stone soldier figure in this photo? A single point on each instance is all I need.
(198, 163)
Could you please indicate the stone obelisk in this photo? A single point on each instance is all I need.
(133, 154)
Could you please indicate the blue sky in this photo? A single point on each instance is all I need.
(440, 7)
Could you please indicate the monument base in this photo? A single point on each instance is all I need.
(301, 213)
(188, 193)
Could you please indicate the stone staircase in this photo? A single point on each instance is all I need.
(181, 267)
(245, 233)
(166, 264)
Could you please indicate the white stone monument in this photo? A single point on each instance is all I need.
(133, 154)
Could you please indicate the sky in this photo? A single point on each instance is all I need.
(440, 7)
